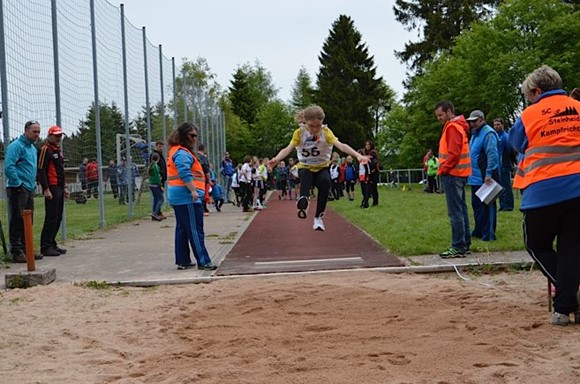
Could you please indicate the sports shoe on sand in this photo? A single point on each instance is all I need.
(560, 319)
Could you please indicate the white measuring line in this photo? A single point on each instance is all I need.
(334, 260)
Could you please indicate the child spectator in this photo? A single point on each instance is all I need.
(334, 179)
(364, 176)
(350, 177)
(281, 176)
(294, 179)
(217, 194)
(236, 185)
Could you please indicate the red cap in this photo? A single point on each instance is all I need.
(55, 130)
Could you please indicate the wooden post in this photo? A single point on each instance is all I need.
(28, 239)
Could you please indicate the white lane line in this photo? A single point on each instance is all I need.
(335, 260)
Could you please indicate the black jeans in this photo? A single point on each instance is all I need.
(561, 266)
(53, 217)
(19, 199)
(321, 180)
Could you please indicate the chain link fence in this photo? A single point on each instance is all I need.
(85, 67)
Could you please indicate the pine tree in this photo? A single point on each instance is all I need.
(302, 90)
(347, 84)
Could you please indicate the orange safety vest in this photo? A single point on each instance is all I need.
(173, 178)
(552, 127)
(463, 168)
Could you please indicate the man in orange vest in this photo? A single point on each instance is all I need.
(547, 137)
(454, 168)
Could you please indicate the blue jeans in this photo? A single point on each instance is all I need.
(189, 231)
(457, 210)
(506, 198)
(157, 199)
(484, 215)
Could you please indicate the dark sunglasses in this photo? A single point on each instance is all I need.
(192, 135)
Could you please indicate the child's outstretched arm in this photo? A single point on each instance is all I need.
(284, 152)
(349, 151)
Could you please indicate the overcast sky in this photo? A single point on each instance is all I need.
(282, 35)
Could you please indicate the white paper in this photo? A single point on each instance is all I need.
(488, 192)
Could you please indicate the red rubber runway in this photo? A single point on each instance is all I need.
(278, 241)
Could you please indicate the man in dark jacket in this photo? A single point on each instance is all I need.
(51, 179)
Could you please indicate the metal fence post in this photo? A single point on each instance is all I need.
(4, 80)
(163, 124)
(97, 116)
(126, 102)
(147, 103)
(174, 94)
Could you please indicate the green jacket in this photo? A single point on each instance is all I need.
(154, 175)
(432, 166)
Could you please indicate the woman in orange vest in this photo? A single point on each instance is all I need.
(547, 136)
(185, 192)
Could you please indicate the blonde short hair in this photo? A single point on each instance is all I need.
(544, 78)
(313, 112)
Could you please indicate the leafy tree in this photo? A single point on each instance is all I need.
(194, 81)
(302, 90)
(490, 60)
(238, 137)
(251, 88)
(383, 104)
(347, 84)
(273, 129)
(441, 22)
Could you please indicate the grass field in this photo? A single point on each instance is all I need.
(83, 219)
(412, 222)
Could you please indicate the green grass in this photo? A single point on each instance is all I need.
(83, 219)
(416, 223)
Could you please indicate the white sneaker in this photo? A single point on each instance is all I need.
(318, 224)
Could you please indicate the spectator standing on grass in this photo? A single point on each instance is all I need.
(83, 174)
(350, 177)
(370, 151)
(314, 142)
(454, 168)
(20, 167)
(161, 162)
(52, 181)
(547, 136)
(186, 186)
(93, 179)
(112, 176)
(236, 186)
(432, 165)
(507, 160)
(483, 149)
(156, 186)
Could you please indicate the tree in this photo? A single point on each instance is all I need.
(347, 84)
(273, 129)
(383, 104)
(250, 89)
(520, 38)
(441, 22)
(83, 143)
(302, 90)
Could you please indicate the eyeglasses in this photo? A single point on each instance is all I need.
(29, 123)
(192, 135)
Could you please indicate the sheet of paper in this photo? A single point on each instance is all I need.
(489, 192)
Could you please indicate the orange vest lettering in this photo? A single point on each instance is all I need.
(552, 127)
(173, 178)
(463, 167)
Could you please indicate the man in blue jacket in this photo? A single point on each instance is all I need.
(483, 149)
(20, 170)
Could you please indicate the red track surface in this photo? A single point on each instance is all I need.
(278, 241)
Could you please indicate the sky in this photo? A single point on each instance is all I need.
(282, 35)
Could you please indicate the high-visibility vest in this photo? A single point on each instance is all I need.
(552, 127)
(463, 167)
(173, 178)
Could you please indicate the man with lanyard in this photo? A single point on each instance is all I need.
(51, 179)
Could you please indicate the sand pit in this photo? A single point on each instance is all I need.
(355, 327)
